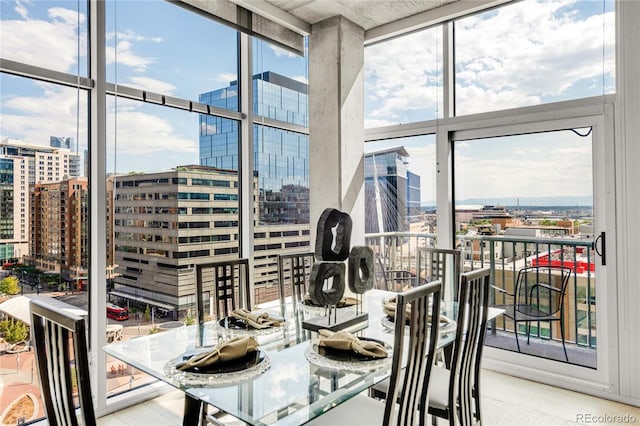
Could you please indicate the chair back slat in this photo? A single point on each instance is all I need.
(469, 342)
(293, 273)
(412, 394)
(433, 263)
(62, 357)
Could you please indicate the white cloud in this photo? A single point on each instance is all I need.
(301, 78)
(280, 52)
(140, 133)
(49, 44)
(22, 10)
(226, 77)
(126, 57)
(33, 119)
(517, 55)
(148, 83)
(540, 165)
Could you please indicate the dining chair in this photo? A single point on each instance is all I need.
(408, 382)
(457, 384)
(455, 392)
(538, 296)
(293, 273)
(231, 286)
(432, 264)
(59, 337)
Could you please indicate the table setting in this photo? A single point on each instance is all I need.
(388, 319)
(229, 361)
(345, 351)
(245, 322)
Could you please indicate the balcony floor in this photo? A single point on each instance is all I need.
(577, 355)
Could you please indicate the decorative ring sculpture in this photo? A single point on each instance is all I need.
(333, 236)
(360, 269)
(321, 272)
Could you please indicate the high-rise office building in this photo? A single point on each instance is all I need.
(281, 164)
(392, 193)
(165, 223)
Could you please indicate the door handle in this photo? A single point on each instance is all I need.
(603, 245)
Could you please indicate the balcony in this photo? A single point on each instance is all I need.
(506, 256)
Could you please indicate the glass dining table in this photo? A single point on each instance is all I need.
(292, 380)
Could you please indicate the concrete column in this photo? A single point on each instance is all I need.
(336, 122)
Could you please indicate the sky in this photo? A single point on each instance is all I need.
(524, 54)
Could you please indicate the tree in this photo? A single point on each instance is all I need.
(147, 314)
(10, 285)
(14, 331)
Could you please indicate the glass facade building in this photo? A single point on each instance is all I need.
(281, 157)
(392, 193)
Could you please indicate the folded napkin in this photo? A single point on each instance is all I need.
(389, 308)
(256, 319)
(225, 351)
(346, 341)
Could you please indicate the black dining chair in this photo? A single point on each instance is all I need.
(409, 384)
(455, 389)
(455, 392)
(231, 286)
(293, 274)
(59, 336)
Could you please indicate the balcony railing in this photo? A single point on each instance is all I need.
(506, 255)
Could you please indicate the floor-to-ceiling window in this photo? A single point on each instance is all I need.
(43, 150)
(519, 64)
(172, 174)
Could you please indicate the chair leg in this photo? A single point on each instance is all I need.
(566, 357)
(515, 329)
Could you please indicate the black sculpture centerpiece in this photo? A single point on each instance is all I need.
(327, 280)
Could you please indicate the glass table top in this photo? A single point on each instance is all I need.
(290, 385)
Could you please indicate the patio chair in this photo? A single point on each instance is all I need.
(59, 336)
(293, 272)
(432, 265)
(408, 386)
(391, 279)
(455, 392)
(538, 296)
(231, 286)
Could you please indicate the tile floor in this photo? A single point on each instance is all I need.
(530, 402)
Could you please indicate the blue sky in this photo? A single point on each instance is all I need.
(527, 53)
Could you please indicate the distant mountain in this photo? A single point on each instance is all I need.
(523, 201)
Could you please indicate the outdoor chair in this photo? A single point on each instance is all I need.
(391, 279)
(409, 385)
(59, 337)
(538, 296)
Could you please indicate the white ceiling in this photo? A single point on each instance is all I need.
(366, 13)
(381, 19)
